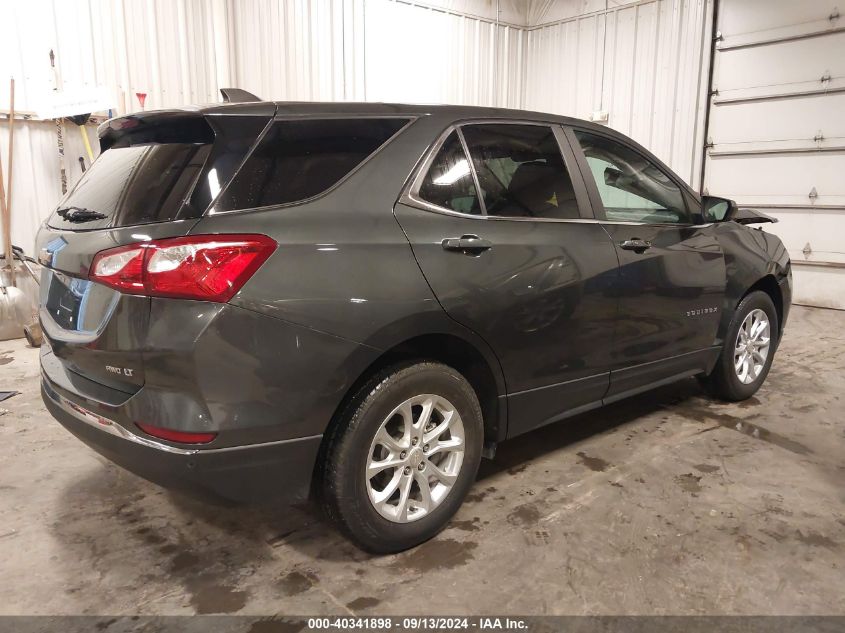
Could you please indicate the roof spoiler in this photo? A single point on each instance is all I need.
(236, 95)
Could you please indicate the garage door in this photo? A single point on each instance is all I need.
(777, 130)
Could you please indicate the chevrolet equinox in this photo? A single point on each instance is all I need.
(359, 301)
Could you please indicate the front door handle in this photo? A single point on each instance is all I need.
(467, 244)
(635, 244)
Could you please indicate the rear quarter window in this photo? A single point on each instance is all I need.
(448, 183)
(297, 160)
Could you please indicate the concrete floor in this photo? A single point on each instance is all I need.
(668, 503)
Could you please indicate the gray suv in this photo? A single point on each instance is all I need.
(359, 301)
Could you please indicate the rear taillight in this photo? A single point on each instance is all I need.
(176, 436)
(202, 267)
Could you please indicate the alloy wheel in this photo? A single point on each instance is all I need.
(415, 458)
(752, 346)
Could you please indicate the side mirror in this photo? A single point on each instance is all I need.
(612, 176)
(723, 210)
(717, 209)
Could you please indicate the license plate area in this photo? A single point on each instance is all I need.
(77, 305)
(65, 299)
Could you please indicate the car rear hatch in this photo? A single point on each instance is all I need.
(156, 175)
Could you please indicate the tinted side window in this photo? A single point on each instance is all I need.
(296, 160)
(449, 183)
(521, 171)
(632, 189)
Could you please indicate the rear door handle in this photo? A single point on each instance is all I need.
(467, 244)
(635, 244)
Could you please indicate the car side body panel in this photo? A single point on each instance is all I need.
(344, 287)
(752, 254)
(329, 274)
(539, 297)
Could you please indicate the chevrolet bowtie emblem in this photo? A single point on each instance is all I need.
(45, 257)
(47, 254)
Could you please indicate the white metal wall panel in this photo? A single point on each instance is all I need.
(161, 47)
(777, 130)
(644, 63)
(293, 50)
(183, 51)
(37, 187)
(512, 12)
(542, 12)
(427, 55)
(633, 60)
(564, 62)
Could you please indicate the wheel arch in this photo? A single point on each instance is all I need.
(769, 285)
(449, 349)
(739, 288)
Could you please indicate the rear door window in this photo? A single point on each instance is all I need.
(298, 159)
(449, 183)
(521, 171)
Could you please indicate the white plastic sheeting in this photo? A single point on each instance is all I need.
(640, 61)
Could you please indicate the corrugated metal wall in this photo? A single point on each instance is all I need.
(165, 48)
(183, 51)
(639, 61)
(423, 55)
(299, 51)
(645, 63)
(36, 173)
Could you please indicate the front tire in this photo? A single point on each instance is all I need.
(748, 350)
(402, 456)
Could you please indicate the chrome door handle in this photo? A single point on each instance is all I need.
(635, 244)
(467, 244)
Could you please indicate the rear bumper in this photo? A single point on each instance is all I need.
(279, 471)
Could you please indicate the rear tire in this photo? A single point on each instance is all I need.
(424, 420)
(748, 350)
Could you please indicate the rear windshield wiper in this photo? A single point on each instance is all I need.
(80, 214)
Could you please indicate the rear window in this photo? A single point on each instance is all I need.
(135, 185)
(297, 160)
